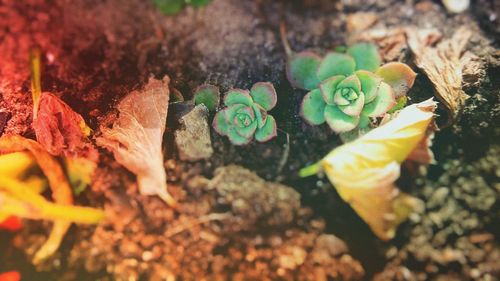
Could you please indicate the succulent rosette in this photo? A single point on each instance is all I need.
(347, 89)
(245, 115)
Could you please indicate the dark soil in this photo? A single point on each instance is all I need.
(97, 51)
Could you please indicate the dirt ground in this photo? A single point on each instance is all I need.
(260, 222)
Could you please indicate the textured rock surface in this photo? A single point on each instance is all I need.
(193, 139)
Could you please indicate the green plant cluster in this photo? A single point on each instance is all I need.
(348, 88)
(245, 113)
(172, 7)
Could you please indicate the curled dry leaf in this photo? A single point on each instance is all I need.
(19, 199)
(364, 171)
(136, 137)
(58, 128)
(443, 65)
(61, 130)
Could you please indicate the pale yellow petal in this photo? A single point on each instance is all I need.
(364, 171)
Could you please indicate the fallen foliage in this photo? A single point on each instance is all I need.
(364, 171)
(58, 128)
(21, 200)
(443, 65)
(136, 137)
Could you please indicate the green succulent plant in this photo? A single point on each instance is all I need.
(209, 95)
(245, 115)
(172, 7)
(347, 89)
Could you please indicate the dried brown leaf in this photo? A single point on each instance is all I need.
(137, 134)
(392, 42)
(443, 65)
(61, 130)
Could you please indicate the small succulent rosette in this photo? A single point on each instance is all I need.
(347, 89)
(245, 114)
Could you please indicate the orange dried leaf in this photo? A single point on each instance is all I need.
(61, 130)
(57, 127)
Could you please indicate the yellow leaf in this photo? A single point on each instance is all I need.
(24, 196)
(80, 171)
(36, 88)
(364, 171)
(16, 164)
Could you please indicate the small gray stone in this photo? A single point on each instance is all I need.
(193, 140)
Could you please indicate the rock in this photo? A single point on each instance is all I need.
(438, 197)
(253, 199)
(193, 140)
(332, 244)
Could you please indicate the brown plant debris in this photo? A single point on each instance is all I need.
(137, 135)
(447, 65)
(444, 66)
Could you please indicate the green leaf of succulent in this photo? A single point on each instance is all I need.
(365, 55)
(351, 82)
(243, 116)
(237, 139)
(369, 84)
(208, 95)
(175, 96)
(354, 109)
(169, 7)
(301, 70)
(268, 131)
(247, 131)
(198, 3)
(364, 122)
(220, 124)
(231, 111)
(328, 87)
(335, 64)
(382, 103)
(313, 107)
(339, 99)
(238, 96)
(398, 75)
(338, 121)
(260, 115)
(264, 94)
